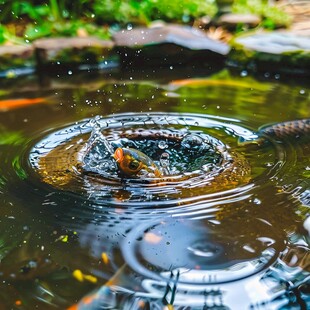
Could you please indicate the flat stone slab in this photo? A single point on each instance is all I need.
(283, 51)
(231, 20)
(167, 44)
(72, 51)
(275, 42)
(16, 56)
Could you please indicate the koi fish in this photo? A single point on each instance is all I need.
(134, 163)
(9, 104)
(196, 82)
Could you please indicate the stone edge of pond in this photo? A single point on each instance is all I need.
(146, 47)
(278, 51)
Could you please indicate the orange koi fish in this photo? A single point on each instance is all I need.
(10, 104)
(205, 82)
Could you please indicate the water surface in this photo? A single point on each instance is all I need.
(190, 241)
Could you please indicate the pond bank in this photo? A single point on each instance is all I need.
(257, 51)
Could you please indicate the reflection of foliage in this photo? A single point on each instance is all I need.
(272, 15)
(240, 96)
(18, 168)
(11, 138)
(7, 140)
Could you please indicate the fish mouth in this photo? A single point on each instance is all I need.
(118, 154)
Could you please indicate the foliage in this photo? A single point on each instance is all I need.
(71, 18)
(32, 19)
(137, 11)
(38, 11)
(64, 28)
(272, 16)
(47, 19)
(8, 34)
(122, 11)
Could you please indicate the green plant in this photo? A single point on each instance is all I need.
(144, 11)
(272, 16)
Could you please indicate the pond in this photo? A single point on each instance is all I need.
(222, 228)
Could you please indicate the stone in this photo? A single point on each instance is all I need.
(16, 58)
(70, 52)
(167, 44)
(231, 20)
(277, 51)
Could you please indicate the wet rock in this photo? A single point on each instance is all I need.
(299, 10)
(16, 58)
(275, 51)
(166, 45)
(73, 52)
(231, 21)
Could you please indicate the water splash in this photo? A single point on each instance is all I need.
(72, 161)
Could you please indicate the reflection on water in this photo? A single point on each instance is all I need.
(224, 219)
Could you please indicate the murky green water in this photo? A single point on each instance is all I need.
(190, 241)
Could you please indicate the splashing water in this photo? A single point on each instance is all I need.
(190, 159)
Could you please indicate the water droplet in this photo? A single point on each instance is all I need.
(267, 75)
(243, 73)
(162, 145)
(257, 201)
(129, 27)
(69, 72)
(302, 91)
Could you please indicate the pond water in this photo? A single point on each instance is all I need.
(223, 227)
